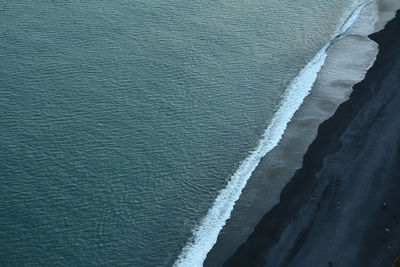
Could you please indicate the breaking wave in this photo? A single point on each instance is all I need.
(205, 235)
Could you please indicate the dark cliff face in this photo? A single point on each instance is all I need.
(331, 210)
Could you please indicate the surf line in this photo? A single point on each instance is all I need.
(206, 234)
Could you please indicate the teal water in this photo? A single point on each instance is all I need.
(121, 121)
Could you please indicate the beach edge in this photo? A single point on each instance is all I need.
(298, 192)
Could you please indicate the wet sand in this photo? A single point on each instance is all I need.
(332, 208)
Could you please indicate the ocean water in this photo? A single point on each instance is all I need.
(122, 121)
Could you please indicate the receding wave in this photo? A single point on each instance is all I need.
(205, 235)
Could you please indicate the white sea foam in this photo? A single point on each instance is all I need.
(353, 17)
(205, 235)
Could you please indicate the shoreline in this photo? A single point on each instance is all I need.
(332, 87)
(322, 216)
(213, 226)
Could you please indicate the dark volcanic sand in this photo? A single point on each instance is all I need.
(331, 210)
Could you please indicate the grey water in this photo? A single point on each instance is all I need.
(121, 121)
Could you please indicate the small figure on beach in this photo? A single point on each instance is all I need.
(389, 248)
(384, 206)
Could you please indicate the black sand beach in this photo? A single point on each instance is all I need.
(332, 210)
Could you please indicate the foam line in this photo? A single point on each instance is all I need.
(205, 235)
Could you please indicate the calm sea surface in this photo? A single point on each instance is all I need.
(120, 121)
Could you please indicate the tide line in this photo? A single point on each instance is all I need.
(205, 235)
